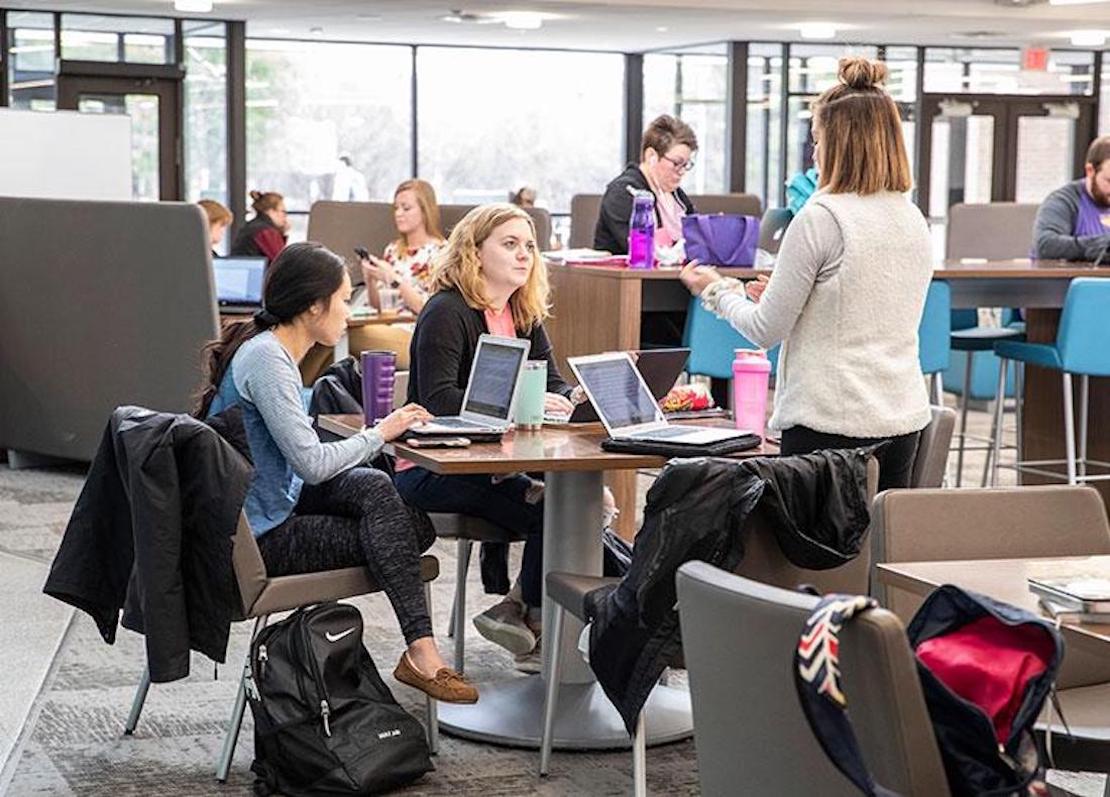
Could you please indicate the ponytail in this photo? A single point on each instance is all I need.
(217, 354)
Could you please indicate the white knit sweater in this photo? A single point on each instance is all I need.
(845, 299)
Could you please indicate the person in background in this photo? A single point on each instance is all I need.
(219, 217)
(264, 235)
(666, 155)
(1073, 223)
(349, 184)
(490, 279)
(405, 266)
(317, 506)
(524, 198)
(846, 309)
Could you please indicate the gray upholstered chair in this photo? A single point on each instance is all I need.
(751, 736)
(763, 560)
(931, 462)
(1008, 523)
(995, 231)
(261, 595)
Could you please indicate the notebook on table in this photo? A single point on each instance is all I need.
(239, 283)
(630, 413)
(491, 388)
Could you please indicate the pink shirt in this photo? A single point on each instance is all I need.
(496, 324)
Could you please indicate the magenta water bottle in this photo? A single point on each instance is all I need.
(378, 369)
(641, 231)
(751, 373)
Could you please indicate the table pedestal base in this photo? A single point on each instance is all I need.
(511, 713)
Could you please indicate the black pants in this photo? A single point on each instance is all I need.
(357, 519)
(895, 461)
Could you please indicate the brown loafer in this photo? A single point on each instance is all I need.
(447, 685)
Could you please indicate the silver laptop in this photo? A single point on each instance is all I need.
(239, 283)
(491, 390)
(627, 408)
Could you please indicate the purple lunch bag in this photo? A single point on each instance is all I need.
(721, 239)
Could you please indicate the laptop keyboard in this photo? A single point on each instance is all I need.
(454, 423)
(665, 434)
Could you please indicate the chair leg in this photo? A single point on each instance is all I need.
(137, 703)
(937, 389)
(1084, 395)
(996, 426)
(551, 697)
(1019, 409)
(223, 765)
(464, 548)
(430, 704)
(639, 758)
(965, 400)
(1069, 429)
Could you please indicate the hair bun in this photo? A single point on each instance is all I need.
(860, 73)
(256, 195)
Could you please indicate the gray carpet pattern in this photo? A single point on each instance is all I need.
(72, 741)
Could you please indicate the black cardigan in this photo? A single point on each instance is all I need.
(442, 351)
(611, 233)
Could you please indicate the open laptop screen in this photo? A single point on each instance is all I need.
(494, 376)
(239, 279)
(620, 395)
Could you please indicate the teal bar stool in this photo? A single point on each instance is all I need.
(1082, 348)
(712, 342)
(934, 334)
(973, 348)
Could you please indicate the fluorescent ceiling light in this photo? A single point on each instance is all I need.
(521, 20)
(1074, 2)
(1088, 38)
(817, 30)
(193, 6)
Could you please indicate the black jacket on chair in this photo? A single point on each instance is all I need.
(152, 533)
(697, 510)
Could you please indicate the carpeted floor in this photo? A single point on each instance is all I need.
(62, 713)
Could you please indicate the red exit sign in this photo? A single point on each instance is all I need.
(1034, 59)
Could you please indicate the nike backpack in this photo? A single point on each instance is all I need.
(324, 721)
(986, 669)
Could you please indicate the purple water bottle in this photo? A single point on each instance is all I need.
(641, 231)
(378, 369)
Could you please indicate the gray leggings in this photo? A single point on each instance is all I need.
(357, 519)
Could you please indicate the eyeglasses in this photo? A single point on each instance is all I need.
(682, 166)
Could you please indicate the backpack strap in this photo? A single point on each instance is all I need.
(817, 679)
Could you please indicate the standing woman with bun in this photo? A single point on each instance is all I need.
(847, 293)
(264, 235)
(316, 506)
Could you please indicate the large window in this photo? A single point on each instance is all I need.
(998, 71)
(763, 167)
(693, 85)
(205, 110)
(136, 40)
(491, 121)
(31, 60)
(309, 103)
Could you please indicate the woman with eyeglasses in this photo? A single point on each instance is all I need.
(666, 155)
(267, 233)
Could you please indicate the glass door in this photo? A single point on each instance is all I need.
(152, 106)
(1046, 143)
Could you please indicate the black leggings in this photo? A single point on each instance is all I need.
(895, 462)
(352, 520)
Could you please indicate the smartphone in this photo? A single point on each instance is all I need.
(362, 252)
(438, 442)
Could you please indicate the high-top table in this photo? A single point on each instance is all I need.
(1005, 580)
(599, 308)
(511, 711)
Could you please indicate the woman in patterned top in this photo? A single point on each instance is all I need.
(406, 263)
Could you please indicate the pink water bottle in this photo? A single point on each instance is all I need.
(751, 372)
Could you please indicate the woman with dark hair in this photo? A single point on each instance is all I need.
(317, 506)
(264, 235)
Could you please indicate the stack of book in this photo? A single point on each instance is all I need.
(1079, 598)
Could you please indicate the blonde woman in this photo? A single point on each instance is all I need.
(848, 290)
(488, 279)
(219, 217)
(406, 262)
